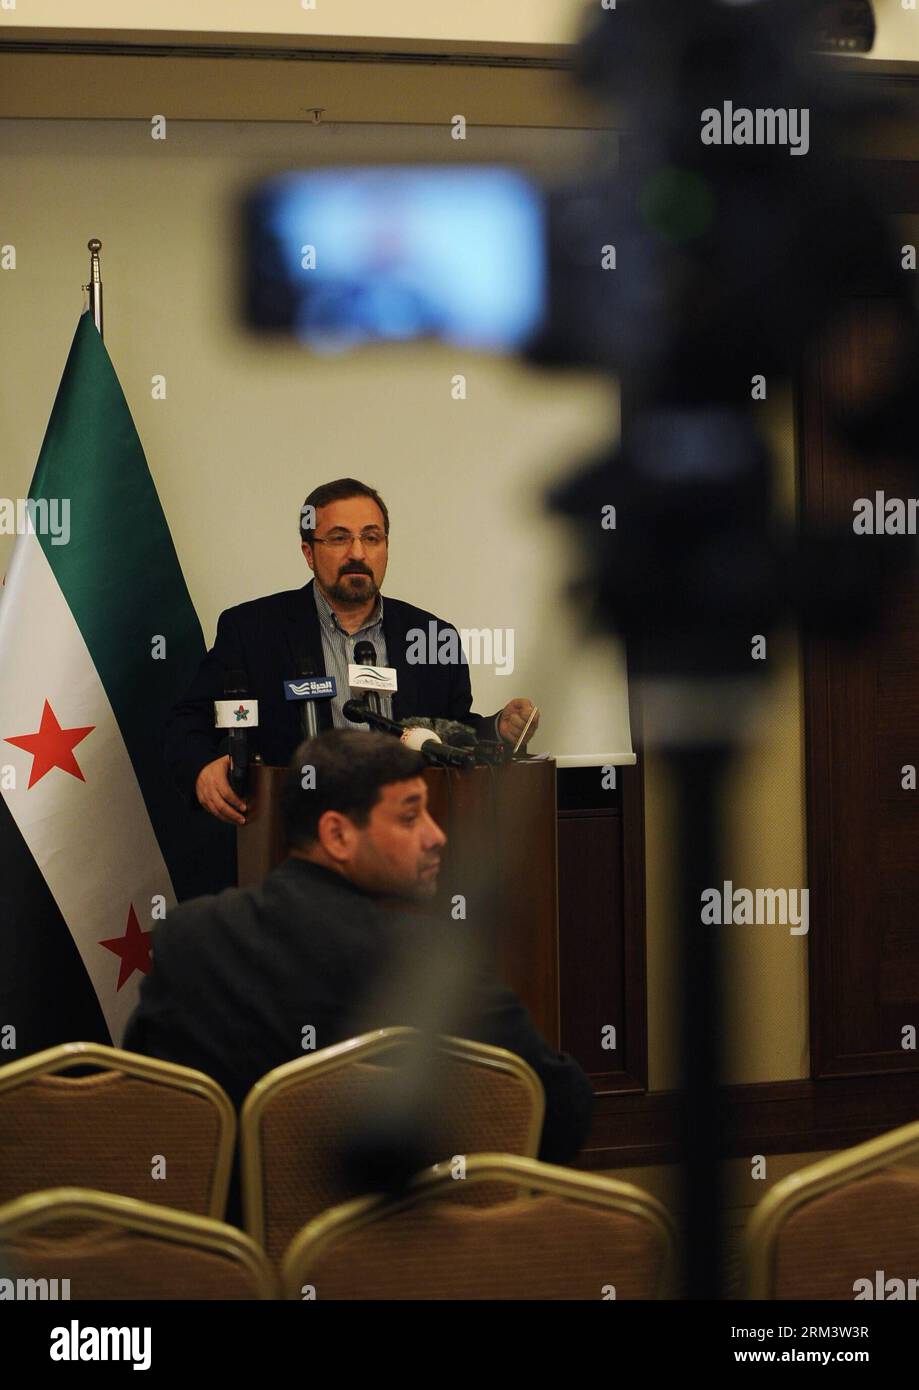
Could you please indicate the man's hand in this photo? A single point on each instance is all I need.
(215, 794)
(513, 721)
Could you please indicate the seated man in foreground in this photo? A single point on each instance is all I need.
(238, 977)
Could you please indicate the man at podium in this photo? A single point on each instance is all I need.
(315, 630)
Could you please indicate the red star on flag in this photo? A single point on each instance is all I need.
(51, 747)
(133, 948)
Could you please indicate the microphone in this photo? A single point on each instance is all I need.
(369, 680)
(423, 740)
(458, 735)
(365, 655)
(487, 751)
(236, 713)
(309, 687)
(309, 724)
(449, 730)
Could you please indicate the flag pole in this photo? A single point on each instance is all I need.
(95, 283)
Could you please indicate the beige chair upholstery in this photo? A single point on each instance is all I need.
(566, 1235)
(112, 1247)
(294, 1120)
(104, 1131)
(846, 1218)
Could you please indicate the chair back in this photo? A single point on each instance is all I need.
(135, 1126)
(844, 1227)
(72, 1243)
(565, 1235)
(296, 1120)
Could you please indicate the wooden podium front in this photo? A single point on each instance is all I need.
(501, 855)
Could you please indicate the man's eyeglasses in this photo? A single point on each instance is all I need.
(370, 539)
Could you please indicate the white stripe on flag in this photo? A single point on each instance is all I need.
(92, 839)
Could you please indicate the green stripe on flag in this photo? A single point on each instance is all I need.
(121, 578)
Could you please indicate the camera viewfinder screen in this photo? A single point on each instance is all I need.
(343, 257)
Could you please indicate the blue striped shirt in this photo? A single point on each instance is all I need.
(338, 652)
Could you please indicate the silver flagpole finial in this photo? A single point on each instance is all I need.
(95, 283)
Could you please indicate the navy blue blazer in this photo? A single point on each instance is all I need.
(266, 637)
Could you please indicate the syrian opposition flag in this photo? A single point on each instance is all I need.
(98, 637)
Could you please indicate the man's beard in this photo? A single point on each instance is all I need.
(348, 596)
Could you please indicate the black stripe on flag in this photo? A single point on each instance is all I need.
(45, 992)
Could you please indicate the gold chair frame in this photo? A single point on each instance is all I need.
(797, 1189)
(533, 1177)
(57, 1059)
(146, 1218)
(360, 1050)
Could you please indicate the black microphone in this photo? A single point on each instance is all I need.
(360, 713)
(365, 655)
(308, 687)
(431, 748)
(459, 735)
(234, 684)
(309, 723)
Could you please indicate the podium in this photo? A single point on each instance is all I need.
(501, 856)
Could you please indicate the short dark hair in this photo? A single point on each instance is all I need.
(349, 767)
(338, 491)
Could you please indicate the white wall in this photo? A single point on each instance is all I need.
(247, 429)
(518, 22)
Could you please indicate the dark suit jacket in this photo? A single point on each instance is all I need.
(236, 977)
(266, 638)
